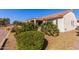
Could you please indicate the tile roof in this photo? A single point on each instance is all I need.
(57, 15)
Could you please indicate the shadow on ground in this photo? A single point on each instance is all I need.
(3, 45)
(45, 44)
(77, 33)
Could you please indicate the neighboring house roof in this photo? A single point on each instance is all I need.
(57, 15)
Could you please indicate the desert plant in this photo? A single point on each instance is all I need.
(30, 40)
(30, 27)
(50, 29)
(25, 27)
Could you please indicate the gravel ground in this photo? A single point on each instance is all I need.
(65, 41)
(3, 33)
(76, 43)
(11, 43)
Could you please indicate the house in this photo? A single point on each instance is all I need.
(77, 22)
(66, 21)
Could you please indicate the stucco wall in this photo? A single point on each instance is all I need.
(77, 23)
(64, 24)
(60, 24)
(54, 21)
(68, 18)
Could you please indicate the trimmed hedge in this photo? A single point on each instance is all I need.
(30, 40)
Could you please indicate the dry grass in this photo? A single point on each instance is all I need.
(63, 41)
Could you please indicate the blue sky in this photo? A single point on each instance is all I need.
(24, 14)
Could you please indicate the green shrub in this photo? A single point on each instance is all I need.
(30, 40)
(50, 29)
(25, 27)
(30, 27)
(13, 29)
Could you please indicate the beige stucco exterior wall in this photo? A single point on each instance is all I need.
(77, 23)
(64, 24)
(68, 18)
(60, 24)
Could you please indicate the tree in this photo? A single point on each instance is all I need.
(16, 22)
(4, 21)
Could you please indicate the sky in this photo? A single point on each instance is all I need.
(25, 14)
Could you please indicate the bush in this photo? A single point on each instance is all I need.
(13, 29)
(25, 27)
(30, 40)
(50, 29)
(30, 27)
